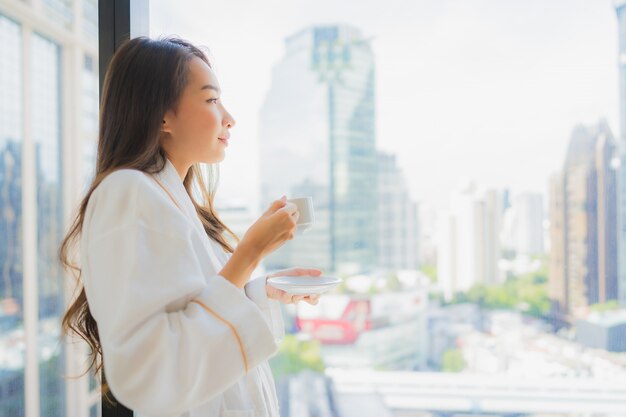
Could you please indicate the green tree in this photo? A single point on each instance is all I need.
(527, 293)
(393, 282)
(608, 306)
(452, 361)
(477, 294)
(296, 355)
(430, 271)
(500, 297)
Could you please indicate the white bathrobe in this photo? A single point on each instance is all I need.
(177, 338)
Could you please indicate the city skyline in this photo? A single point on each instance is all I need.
(458, 96)
(494, 97)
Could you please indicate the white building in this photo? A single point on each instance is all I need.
(427, 225)
(469, 240)
(522, 230)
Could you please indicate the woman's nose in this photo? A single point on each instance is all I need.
(229, 120)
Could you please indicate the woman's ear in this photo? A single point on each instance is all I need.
(165, 126)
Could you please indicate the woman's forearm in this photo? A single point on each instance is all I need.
(240, 266)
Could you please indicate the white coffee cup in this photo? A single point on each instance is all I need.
(307, 215)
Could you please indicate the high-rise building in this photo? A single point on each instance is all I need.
(523, 224)
(469, 247)
(427, 240)
(557, 283)
(620, 6)
(317, 138)
(398, 218)
(48, 61)
(583, 213)
(606, 183)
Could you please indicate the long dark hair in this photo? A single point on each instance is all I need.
(144, 80)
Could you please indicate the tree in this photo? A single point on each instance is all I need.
(452, 361)
(430, 271)
(607, 306)
(296, 355)
(393, 282)
(527, 293)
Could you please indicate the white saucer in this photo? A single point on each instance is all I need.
(304, 284)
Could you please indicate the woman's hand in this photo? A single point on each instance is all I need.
(285, 298)
(268, 233)
(276, 226)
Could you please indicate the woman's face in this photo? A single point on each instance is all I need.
(199, 126)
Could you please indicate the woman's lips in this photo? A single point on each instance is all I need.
(224, 141)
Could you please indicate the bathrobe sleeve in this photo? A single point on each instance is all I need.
(174, 333)
(255, 290)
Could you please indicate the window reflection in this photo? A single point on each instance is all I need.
(11, 296)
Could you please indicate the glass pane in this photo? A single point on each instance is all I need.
(464, 160)
(11, 296)
(47, 137)
(90, 19)
(89, 124)
(60, 11)
(43, 61)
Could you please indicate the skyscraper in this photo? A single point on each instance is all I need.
(606, 183)
(397, 214)
(557, 282)
(47, 54)
(317, 138)
(620, 7)
(583, 266)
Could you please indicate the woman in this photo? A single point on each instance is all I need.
(166, 304)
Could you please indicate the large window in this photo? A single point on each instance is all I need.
(48, 123)
(11, 296)
(466, 163)
(463, 162)
(46, 113)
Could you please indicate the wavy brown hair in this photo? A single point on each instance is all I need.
(144, 80)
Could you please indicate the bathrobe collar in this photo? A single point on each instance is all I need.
(170, 179)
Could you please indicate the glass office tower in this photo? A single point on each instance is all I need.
(317, 138)
(620, 7)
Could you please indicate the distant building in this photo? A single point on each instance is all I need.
(446, 325)
(308, 393)
(469, 247)
(605, 331)
(397, 218)
(317, 138)
(620, 7)
(369, 331)
(523, 225)
(237, 218)
(583, 224)
(427, 240)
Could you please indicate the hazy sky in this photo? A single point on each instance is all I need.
(466, 89)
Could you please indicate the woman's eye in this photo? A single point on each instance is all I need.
(212, 100)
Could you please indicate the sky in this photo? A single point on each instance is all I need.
(484, 90)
